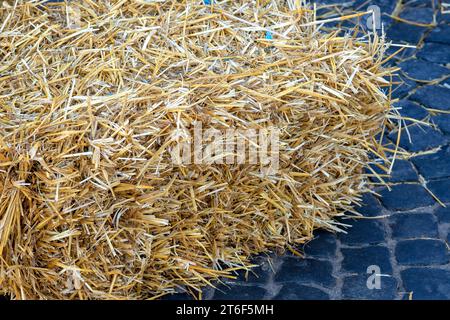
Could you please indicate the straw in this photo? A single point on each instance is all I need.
(95, 94)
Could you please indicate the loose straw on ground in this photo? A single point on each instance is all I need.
(95, 94)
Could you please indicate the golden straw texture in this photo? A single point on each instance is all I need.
(94, 95)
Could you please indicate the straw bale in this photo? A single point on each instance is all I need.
(94, 97)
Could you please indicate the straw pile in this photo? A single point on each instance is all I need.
(93, 96)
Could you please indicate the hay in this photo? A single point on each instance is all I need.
(94, 97)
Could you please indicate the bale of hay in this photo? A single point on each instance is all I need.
(96, 96)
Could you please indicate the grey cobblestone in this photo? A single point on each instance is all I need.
(435, 52)
(355, 287)
(421, 252)
(405, 33)
(371, 206)
(306, 271)
(402, 86)
(356, 260)
(427, 283)
(237, 292)
(420, 70)
(419, 138)
(258, 275)
(418, 15)
(301, 292)
(434, 165)
(435, 97)
(443, 19)
(413, 225)
(411, 109)
(363, 231)
(421, 3)
(401, 56)
(406, 197)
(402, 171)
(441, 189)
(441, 34)
(322, 246)
(443, 214)
(443, 122)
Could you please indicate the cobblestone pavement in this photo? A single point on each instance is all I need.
(410, 242)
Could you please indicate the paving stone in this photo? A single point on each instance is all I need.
(441, 189)
(322, 246)
(306, 271)
(358, 259)
(355, 287)
(443, 18)
(300, 292)
(421, 252)
(443, 214)
(404, 32)
(399, 56)
(406, 197)
(413, 225)
(435, 97)
(384, 140)
(370, 206)
(440, 34)
(363, 231)
(420, 15)
(435, 52)
(401, 86)
(427, 283)
(386, 21)
(443, 122)
(434, 165)
(178, 296)
(419, 138)
(259, 274)
(423, 70)
(239, 292)
(421, 3)
(411, 109)
(402, 171)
